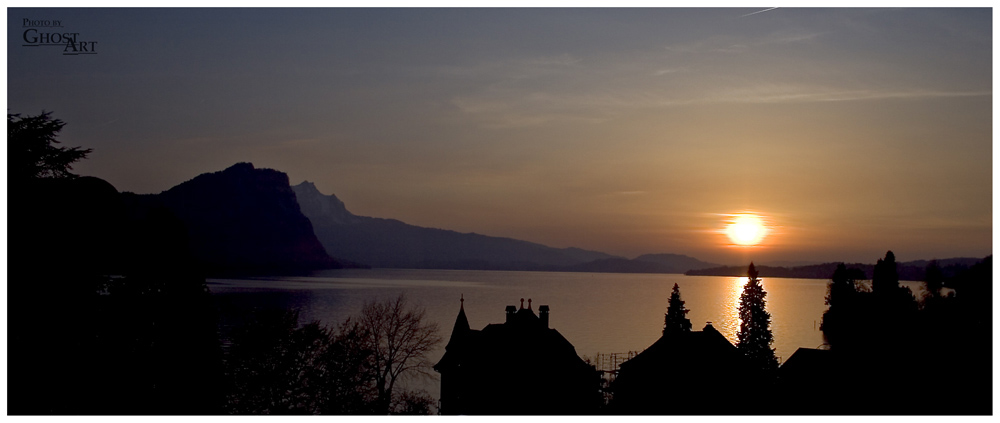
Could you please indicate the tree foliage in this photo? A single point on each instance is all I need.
(276, 367)
(933, 282)
(885, 276)
(754, 337)
(399, 339)
(884, 343)
(31, 150)
(676, 318)
(845, 286)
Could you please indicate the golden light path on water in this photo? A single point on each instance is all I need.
(731, 326)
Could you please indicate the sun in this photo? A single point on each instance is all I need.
(746, 229)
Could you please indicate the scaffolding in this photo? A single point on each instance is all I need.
(608, 365)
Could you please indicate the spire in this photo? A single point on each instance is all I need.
(529, 303)
(522, 303)
(461, 324)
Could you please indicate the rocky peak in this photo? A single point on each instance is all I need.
(320, 208)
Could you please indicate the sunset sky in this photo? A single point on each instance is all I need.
(628, 131)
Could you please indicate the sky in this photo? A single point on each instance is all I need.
(627, 131)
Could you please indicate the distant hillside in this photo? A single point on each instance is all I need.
(677, 262)
(908, 271)
(391, 243)
(617, 265)
(242, 219)
(649, 263)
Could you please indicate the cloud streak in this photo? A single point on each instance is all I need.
(759, 11)
(505, 109)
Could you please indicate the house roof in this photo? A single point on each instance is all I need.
(690, 350)
(524, 337)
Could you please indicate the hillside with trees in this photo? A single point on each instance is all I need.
(908, 271)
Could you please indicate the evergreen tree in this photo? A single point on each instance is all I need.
(754, 337)
(885, 277)
(933, 282)
(32, 152)
(675, 320)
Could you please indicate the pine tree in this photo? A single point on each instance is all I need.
(32, 152)
(754, 337)
(675, 320)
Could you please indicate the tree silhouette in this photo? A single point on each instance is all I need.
(676, 320)
(894, 304)
(399, 339)
(30, 150)
(754, 337)
(412, 403)
(846, 297)
(885, 277)
(844, 286)
(276, 367)
(933, 282)
(128, 326)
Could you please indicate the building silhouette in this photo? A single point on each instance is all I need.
(521, 366)
(683, 372)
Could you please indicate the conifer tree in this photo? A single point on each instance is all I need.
(885, 277)
(676, 320)
(754, 337)
(32, 152)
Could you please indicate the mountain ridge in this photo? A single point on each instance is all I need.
(382, 242)
(242, 219)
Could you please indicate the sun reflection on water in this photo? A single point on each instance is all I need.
(731, 326)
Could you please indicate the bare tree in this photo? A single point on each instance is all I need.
(399, 339)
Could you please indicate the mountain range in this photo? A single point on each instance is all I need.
(241, 219)
(391, 243)
(250, 220)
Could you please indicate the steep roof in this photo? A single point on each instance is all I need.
(524, 336)
(461, 325)
(679, 373)
(685, 347)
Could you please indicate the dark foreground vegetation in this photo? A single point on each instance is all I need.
(884, 339)
(108, 313)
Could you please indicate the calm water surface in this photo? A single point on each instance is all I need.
(597, 312)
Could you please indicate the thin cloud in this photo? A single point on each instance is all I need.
(759, 11)
(522, 68)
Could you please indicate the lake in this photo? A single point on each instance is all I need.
(597, 312)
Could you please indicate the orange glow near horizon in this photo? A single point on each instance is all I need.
(746, 229)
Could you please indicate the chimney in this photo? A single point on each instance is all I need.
(510, 313)
(543, 315)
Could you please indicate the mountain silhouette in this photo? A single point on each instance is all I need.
(243, 220)
(649, 263)
(679, 263)
(392, 243)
